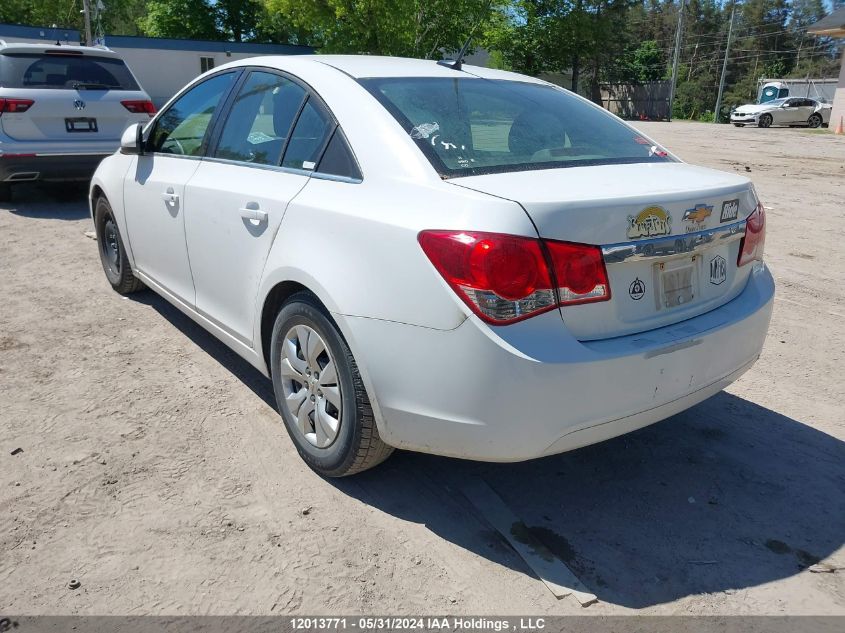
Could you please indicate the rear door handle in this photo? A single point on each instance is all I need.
(253, 214)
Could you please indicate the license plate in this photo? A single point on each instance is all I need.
(678, 282)
(81, 124)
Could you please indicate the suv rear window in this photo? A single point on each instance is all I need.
(66, 71)
(474, 126)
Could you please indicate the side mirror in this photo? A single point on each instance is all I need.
(132, 140)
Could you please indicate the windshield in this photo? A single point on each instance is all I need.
(479, 126)
(64, 71)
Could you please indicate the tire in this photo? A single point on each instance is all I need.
(112, 252)
(815, 120)
(333, 441)
(5, 192)
(765, 120)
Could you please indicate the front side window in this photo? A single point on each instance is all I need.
(64, 71)
(473, 126)
(259, 122)
(181, 129)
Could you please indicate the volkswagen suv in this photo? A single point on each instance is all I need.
(62, 110)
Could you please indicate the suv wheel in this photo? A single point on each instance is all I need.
(319, 392)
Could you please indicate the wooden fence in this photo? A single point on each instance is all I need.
(647, 101)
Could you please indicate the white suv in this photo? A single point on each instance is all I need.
(62, 110)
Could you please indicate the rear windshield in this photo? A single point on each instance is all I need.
(64, 71)
(479, 126)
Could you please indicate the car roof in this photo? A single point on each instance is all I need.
(21, 47)
(372, 66)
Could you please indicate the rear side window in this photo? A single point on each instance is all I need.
(309, 137)
(64, 71)
(259, 123)
(338, 160)
(181, 129)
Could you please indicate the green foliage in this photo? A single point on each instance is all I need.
(593, 41)
(411, 28)
(193, 19)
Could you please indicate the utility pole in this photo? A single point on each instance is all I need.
(86, 10)
(677, 56)
(724, 65)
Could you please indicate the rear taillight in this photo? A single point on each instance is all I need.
(140, 107)
(14, 105)
(507, 278)
(579, 272)
(751, 246)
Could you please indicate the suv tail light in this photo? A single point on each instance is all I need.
(507, 278)
(14, 105)
(751, 246)
(140, 107)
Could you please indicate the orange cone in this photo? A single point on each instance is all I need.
(839, 128)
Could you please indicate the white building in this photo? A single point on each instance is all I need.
(161, 65)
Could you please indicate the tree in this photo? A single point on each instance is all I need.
(412, 28)
(195, 19)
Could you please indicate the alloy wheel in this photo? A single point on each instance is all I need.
(311, 386)
(814, 121)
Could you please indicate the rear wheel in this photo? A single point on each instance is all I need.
(765, 120)
(112, 253)
(319, 392)
(815, 120)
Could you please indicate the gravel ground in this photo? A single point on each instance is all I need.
(155, 470)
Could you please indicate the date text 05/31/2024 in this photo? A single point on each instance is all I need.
(417, 623)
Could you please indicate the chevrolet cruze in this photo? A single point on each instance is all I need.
(437, 257)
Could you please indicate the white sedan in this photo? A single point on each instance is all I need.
(786, 111)
(459, 261)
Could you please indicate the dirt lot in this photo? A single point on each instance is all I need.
(156, 471)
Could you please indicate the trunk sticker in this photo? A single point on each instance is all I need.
(718, 270)
(696, 216)
(652, 221)
(636, 289)
(730, 210)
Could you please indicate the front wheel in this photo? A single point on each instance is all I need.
(765, 120)
(815, 120)
(112, 253)
(319, 392)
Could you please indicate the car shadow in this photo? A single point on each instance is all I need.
(725, 496)
(52, 201)
(259, 384)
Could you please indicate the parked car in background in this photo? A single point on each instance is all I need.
(788, 111)
(62, 109)
(455, 260)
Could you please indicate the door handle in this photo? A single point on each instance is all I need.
(253, 214)
(170, 197)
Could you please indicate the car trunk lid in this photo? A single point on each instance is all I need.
(669, 232)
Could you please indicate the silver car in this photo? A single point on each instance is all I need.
(62, 110)
(786, 111)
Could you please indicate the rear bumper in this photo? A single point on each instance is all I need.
(48, 167)
(530, 389)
